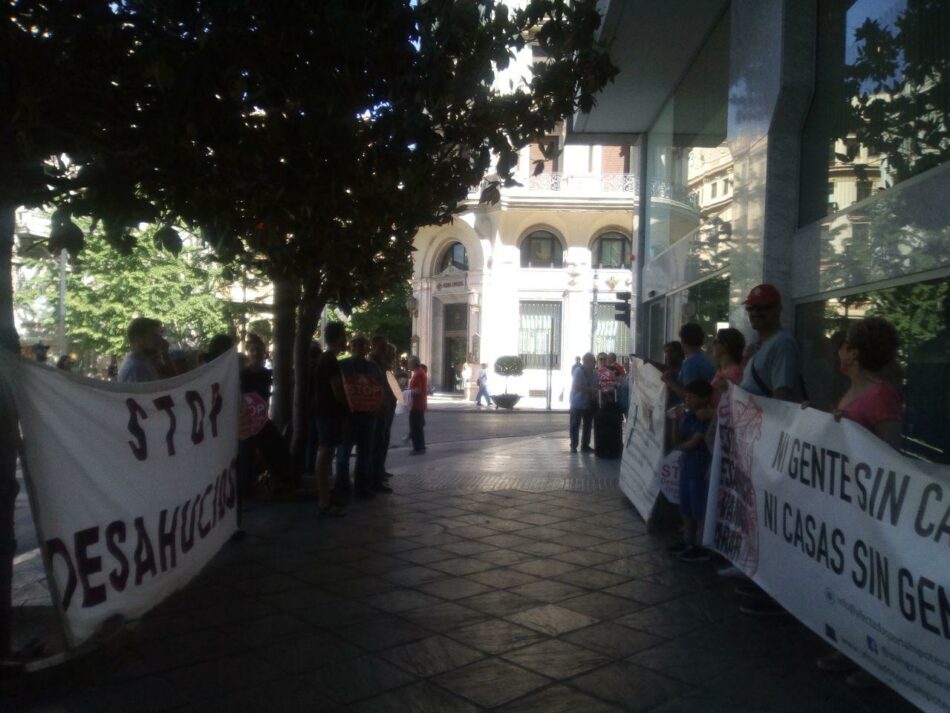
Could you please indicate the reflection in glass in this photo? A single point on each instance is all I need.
(541, 249)
(456, 256)
(921, 314)
(612, 250)
(882, 94)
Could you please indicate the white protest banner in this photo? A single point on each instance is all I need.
(851, 537)
(644, 470)
(133, 486)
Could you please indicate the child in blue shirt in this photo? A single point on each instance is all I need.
(689, 436)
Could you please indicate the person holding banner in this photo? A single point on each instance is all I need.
(727, 349)
(364, 386)
(689, 437)
(145, 344)
(696, 365)
(868, 348)
(774, 370)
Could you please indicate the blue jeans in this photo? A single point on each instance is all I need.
(358, 432)
(579, 416)
(478, 397)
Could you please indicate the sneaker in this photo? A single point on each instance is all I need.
(730, 571)
(586, 449)
(418, 452)
(573, 449)
(677, 547)
(694, 553)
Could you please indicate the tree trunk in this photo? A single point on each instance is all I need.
(286, 297)
(307, 316)
(9, 431)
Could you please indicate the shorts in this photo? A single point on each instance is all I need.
(693, 496)
(330, 432)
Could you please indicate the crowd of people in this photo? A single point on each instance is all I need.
(595, 384)
(355, 387)
(771, 367)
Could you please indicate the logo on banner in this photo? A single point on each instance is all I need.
(737, 535)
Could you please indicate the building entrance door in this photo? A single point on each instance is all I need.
(454, 346)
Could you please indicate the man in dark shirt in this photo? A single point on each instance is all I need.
(363, 384)
(330, 404)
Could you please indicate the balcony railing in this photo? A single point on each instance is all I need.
(606, 184)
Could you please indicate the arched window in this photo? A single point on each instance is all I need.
(454, 255)
(542, 249)
(611, 250)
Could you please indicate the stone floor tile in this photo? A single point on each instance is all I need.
(544, 567)
(418, 698)
(614, 640)
(590, 578)
(556, 659)
(584, 558)
(426, 555)
(308, 652)
(394, 546)
(467, 548)
(499, 602)
(496, 636)
(684, 663)
(462, 565)
(261, 632)
(505, 539)
(504, 558)
(444, 616)
(453, 588)
(379, 564)
(561, 699)
(413, 576)
(655, 621)
(646, 592)
(399, 600)
(469, 531)
(503, 578)
(543, 549)
(296, 599)
(343, 554)
(551, 619)
(634, 688)
(601, 606)
(548, 590)
(382, 632)
(491, 682)
(431, 656)
(333, 615)
(361, 586)
(349, 681)
(197, 681)
(270, 584)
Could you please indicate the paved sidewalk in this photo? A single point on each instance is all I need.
(503, 574)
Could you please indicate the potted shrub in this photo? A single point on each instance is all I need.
(508, 366)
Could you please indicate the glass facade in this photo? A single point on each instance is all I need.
(882, 95)
(688, 162)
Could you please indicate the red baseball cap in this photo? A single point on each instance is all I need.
(764, 294)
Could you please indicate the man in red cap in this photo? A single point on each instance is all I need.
(775, 368)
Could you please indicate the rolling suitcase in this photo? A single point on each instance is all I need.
(608, 431)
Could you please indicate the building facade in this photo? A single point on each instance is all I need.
(534, 275)
(813, 136)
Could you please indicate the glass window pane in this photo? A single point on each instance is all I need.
(539, 335)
